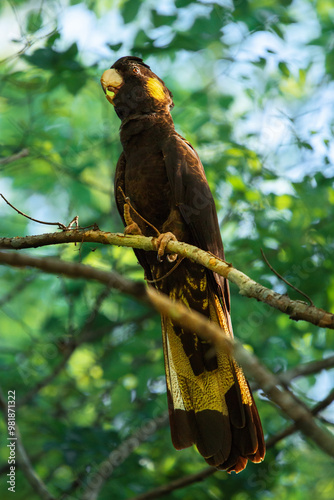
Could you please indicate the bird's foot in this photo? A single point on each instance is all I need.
(161, 242)
(131, 226)
(133, 229)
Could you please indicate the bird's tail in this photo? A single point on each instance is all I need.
(209, 399)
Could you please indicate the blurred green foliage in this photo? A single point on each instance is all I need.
(253, 91)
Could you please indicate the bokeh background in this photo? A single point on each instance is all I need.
(253, 89)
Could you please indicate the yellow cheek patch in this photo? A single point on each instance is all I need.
(155, 89)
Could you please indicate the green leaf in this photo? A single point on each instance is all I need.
(183, 3)
(34, 21)
(160, 20)
(276, 28)
(52, 38)
(260, 63)
(130, 10)
(330, 63)
(225, 101)
(115, 46)
(283, 67)
(306, 145)
(142, 40)
(43, 58)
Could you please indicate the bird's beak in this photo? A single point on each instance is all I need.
(111, 82)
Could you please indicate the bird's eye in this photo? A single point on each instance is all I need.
(135, 69)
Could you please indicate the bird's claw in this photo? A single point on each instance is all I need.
(133, 229)
(161, 242)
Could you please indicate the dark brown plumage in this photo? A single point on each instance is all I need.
(209, 400)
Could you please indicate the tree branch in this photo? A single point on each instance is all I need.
(120, 454)
(9, 159)
(303, 370)
(193, 321)
(16, 290)
(85, 335)
(284, 400)
(293, 428)
(296, 309)
(306, 369)
(209, 471)
(178, 484)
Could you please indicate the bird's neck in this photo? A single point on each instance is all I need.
(137, 123)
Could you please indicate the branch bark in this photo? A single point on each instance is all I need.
(297, 310)
(302, 370)
(9, 159)
(293, 428)
(306, 369)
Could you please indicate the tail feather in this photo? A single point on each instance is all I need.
(209, 399)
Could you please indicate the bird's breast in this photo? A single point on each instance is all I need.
(146, 184)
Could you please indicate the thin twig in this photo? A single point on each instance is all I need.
(293, 428)
(127, 201)
(74, 222)
(167, 274)
(48, 379)
(120, 454)
(283, 279)
(28, 43)
(59, 224)
(306, 369)
(67, 350)
(302, 370)
(17, 289)
(9, 159)
(85, 335)
(178, 484)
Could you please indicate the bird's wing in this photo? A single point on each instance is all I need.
(119, 182)
(194, 199)
(210, 402)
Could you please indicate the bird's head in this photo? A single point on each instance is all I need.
(133, 88)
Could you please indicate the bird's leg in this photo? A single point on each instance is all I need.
(172, 230)
(131, 226)
(161, 242)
